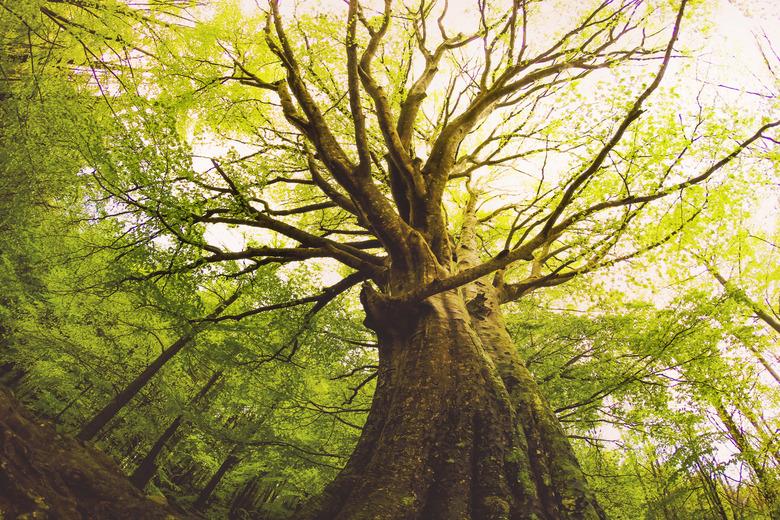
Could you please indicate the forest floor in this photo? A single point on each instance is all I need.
(46, 475)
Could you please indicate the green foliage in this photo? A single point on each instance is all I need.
(124, 130)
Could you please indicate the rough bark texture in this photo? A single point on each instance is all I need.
(45, 475)
(554, 484)
(458, 428)
(438, 442)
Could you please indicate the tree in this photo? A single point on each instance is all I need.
(380, 146)
(146, 469)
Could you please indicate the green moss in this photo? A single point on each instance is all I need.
(496, 508)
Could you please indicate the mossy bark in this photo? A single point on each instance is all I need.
(47, 475)
(458, 428)
(555, 486)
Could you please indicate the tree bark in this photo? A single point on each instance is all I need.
(69, 405)
(110, 410)
(741, 296)
(148, 467)
(99, 421)
(230, 461)
(748, 342)
(711, 491)
(458, 429)
(245, 499)
(767, 483)
(763, 432)
(551, 472)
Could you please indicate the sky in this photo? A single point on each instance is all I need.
(732, 61)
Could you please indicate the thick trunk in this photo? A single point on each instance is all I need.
(46, 475)
(557, 486)
(457, 429)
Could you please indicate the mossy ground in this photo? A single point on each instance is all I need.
(44, 474)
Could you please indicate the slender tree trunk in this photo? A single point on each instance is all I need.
(99, 421)
(109, 411)
(748, 343)
(711, 490)
(723, 484)
(245, 499)
(741, 296)
(641, 480)
(148, 466)
(765, 363)
(72, 402)
(230, 461)
(661, 488)
(767, 483)
(763, 432)
(267, 492)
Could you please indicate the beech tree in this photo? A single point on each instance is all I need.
(448, 165)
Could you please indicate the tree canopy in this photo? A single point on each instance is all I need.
(399, 259)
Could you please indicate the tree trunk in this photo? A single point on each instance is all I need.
(661, 484)
(457, 428)
(763, 432)
(245, 499)
(748, 342)
(99, 421)
(711, 491)
(741, 296)
(767, 484)
(551, 471)
(148, 467)
(230, 461)
(58, 417)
